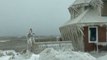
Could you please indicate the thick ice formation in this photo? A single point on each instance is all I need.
(32, 57)
(103, 58)
(12, 55)
(5, 57)
(7, 52)
(49, 54)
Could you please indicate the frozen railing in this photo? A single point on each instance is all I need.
(57, 45)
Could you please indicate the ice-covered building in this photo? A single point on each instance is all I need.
(87, 27)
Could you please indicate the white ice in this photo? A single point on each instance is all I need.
(49, 54)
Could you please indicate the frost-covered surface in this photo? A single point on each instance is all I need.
(98, 54)
(102, 58)
(57, 45)
(7, 53)
(51, 54)
(12, 55)
(5, 57)
(21, 57)
(47, 54)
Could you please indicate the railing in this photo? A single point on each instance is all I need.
(63, 45)
(102, 43)
(53, 42)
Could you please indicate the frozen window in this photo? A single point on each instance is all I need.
(92, 34)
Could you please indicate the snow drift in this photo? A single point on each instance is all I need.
(48, 54)
(103, 58)
(51, 54)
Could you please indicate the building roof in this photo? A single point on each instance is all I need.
(87, 17)
(81, 2)
(78, 3)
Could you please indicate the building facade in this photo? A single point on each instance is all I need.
(87, 27)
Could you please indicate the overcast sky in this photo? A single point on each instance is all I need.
(44, 16)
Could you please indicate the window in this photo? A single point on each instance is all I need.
(93, 34)
(104, 9)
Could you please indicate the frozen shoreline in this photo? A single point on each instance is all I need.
(48, 54)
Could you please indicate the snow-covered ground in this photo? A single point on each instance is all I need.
(47, 54)
(98, 54)
(12, 55)
(102, 58)
(51, 54)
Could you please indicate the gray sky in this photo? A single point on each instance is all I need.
(44, 16)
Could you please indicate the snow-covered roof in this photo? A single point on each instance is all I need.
(81, 2)
(90, 15)
(87, 17)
